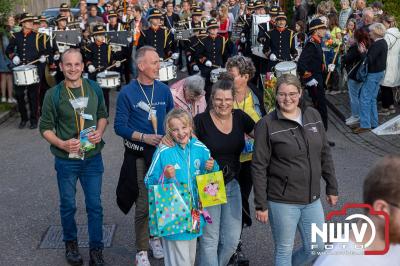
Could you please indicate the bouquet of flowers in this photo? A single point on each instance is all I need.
(269, 92)
(331, 44)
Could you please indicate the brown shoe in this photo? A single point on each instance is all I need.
(360, 130)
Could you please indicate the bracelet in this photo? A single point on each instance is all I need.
(142, 137)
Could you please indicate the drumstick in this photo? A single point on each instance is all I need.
(36, 60)
(334, 60)
(123, 60)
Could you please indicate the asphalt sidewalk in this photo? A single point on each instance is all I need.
(380, 145)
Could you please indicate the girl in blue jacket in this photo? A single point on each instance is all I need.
(181, 163)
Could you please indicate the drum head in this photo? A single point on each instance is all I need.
(285, 66)
(165, 64)
(24, 67)
(107, 74)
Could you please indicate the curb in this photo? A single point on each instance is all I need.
(7, 114)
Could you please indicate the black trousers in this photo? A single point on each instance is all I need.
(246, 184)
(317, 94)
(106, 93)
(33, 100)
(387, 96)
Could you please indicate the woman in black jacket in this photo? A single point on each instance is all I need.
(376, 57)
(352, 61)
(291, 154)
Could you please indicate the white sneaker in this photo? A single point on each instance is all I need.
(156, 248)
(352, 120)
(3, 99)
(142, 259)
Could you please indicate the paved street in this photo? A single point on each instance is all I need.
(29, 197)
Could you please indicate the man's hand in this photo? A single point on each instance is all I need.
(262, 216)
(71, 145)
(152, 139)
(167, 141)
(332, 200)
(196, 68)
(95, 137)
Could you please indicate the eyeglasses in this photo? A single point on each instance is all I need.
(291, 95)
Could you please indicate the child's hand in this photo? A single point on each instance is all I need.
(169, 171)
(210, 164)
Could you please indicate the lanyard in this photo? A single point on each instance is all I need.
(152, 94)
(71, 96)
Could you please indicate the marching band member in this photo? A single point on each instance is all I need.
(214, 53)
(24, 47)
(65, 12)
(193, 46)
(158, 37)
(43, 22)
(311, 67)
(279, 43)
(268, 26)
(99, 55)
(36, 24)
(120, 52)
(244, 46)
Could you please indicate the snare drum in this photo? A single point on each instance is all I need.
(25, 75)
(167, 71)
(286, 67)
(215, 73)
(108, 79)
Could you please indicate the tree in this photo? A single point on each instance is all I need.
(6, 7)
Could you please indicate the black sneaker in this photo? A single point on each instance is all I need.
(22, 124)
(33, 125)
(72, 253)
(96, 257)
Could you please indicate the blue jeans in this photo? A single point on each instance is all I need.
(220, 239)
(89, 172)
(354, 94)
(368, 105)
(284, 219)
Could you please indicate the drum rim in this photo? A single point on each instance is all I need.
(24, 67)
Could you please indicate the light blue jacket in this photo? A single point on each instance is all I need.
(195, 154)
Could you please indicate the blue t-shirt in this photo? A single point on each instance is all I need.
(129, 117)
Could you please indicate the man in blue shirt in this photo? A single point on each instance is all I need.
(141, 109)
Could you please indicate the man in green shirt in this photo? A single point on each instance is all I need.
(73, 121)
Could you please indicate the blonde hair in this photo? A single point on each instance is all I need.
(224, 10)
(179, 114)
(378, 29)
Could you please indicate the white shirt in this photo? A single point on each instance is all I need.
(391, 258)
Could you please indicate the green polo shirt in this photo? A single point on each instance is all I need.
(63, 121)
